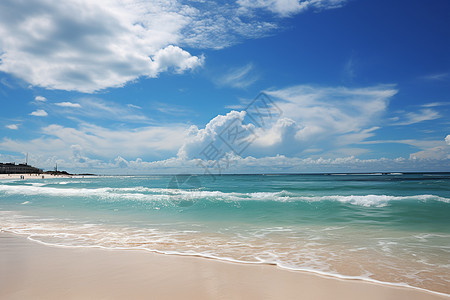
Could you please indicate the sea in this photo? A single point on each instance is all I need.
(390, 228)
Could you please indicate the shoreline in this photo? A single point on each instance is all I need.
(42, 264)
(232, 261)
(33, 176)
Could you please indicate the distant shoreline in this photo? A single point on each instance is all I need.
(33, 176)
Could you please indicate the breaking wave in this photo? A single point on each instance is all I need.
(166, 194)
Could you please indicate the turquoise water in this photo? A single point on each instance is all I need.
(393, 228)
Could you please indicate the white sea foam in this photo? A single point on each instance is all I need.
(164, 194)
(250, 248)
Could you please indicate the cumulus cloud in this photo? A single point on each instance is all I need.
(39, 113)
(121, 162)
(87, 46)
(327, 118)
(203, 143)
(321, 129)
(68, 104)
(269, 164)
(40, 98)
(173, 57)
(12, 126)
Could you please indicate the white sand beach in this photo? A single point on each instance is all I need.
(29, 270)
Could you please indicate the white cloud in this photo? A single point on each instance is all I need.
(68, 104)
(39, 113)
(238, 77)
(94, 141)
(330, 117)
(284, 146)
(437, 153)
(87, 46)
(289, 7)
(121, 162)
(97, 108)
(12, 126)
(435, 104)
(172, 109)
(420, 116)
(436, 76)
(40, 98)
(438, 150)
(198, 140)
(326, 118)
(421, 144)
(175, 58)
(215, 25)
(269, 164)
(134, 106)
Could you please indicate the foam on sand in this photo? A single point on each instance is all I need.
(41, 272)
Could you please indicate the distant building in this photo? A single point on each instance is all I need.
(12, 168)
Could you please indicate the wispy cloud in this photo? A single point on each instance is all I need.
(437, 76)
(134, 106)
(235, 106)
(429, 149)
(39, 113)
(98, 109)
(421, 144)
(349, 69)
(439, 151)
(240, 77)
(68, 104)
(6, 83)
(290, 7)
(12, 126)
(92, 140)
(172, 109)
(435, 104)
(420, 116)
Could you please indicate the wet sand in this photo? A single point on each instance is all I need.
(29, 270)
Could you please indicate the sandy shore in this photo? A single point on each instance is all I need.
(29, 270)
(31, 176)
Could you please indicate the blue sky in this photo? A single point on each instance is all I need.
(124, 87)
